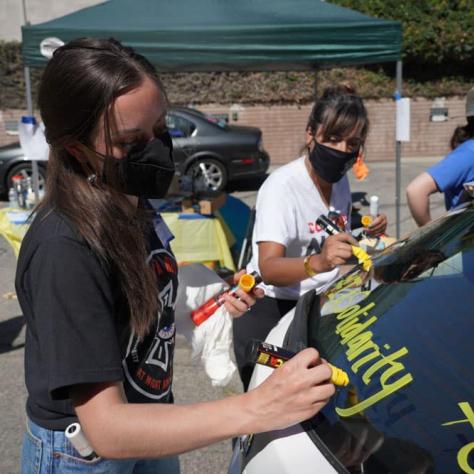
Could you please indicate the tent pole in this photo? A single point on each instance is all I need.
(29, 107)
(398, 156)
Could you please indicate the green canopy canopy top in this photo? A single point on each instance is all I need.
(220, 35)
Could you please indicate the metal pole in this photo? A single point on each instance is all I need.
(398, 155)
(29, 108)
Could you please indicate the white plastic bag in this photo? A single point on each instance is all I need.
(211, 341)
(32, 139)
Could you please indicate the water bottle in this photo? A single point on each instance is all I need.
(30, 198)
(12, 198)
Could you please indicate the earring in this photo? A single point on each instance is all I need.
(92, 178)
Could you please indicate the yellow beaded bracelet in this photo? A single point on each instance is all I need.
(307, 267)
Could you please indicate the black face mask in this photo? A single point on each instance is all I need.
(331, 164)
(144, 172)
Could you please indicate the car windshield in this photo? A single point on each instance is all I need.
(403, 333)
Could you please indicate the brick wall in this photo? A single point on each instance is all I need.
(283, 128)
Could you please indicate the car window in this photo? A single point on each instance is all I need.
(403, 333)
(178, 126)
(221, 120)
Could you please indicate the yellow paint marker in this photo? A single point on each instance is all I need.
(362, 257)
(339, 377)
(273, 356)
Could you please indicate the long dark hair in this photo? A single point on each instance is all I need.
(78, 87)
(340, 112)
(462, 134)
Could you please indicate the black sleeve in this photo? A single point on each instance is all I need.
(74, 316)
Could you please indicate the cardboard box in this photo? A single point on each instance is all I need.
(206, 204)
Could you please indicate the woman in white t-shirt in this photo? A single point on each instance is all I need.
(291, 252)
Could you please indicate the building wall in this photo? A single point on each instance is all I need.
(37, 11)
(283, 128)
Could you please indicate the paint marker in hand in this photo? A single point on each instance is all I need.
(361, 255)
(263, 353)
(246, 283)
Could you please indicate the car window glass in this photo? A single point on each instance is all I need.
(179, 127)
(403, 333)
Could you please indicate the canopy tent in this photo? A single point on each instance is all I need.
(220, 35)
(229, 35)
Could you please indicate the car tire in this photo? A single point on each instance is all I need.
(211, 171)
(26, 170)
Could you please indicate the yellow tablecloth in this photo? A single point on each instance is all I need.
(199, 240)
(13, 233)
(196, 240)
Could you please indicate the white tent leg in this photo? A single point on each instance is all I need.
(398, 155)
(29, 106)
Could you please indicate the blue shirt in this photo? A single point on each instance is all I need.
(453, 171)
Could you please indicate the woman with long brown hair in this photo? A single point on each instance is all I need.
(96, 281)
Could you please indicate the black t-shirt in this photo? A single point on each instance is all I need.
(78, 322)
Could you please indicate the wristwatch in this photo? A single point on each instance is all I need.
(307, 267)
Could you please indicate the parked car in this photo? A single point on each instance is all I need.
(204, 147)
(403, 332)
(209, 148)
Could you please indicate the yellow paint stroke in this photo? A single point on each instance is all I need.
(365, 353)
(465, 451)
(467, 410)
(463, 458)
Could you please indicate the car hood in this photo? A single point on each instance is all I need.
(403, 333)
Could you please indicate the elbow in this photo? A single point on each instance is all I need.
(266, 272)
(410, 192)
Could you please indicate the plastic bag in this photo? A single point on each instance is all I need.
(211, 341)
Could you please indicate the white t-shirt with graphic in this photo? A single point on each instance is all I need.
(288, 204)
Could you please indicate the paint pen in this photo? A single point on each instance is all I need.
(327, 225)
(361, 255)
(246, 283)
(374, 206)
(373, 211)
(77, 438)
(263, 353)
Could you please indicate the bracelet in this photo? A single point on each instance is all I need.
(307, 267)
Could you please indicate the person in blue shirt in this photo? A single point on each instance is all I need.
(449, 175)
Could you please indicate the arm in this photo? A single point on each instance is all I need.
(293, 393)
(279, 270)
(418, 197)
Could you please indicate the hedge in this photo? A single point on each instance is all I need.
(372, 82)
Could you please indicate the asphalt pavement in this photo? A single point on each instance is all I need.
(191, 384)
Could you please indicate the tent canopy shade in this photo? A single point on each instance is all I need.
(228, 35)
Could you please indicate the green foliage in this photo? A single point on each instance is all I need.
(12, 80)
(434, 31)
(374, 82)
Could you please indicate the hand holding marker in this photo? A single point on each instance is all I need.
(273, 356)
(359, 253)
(246, 283)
